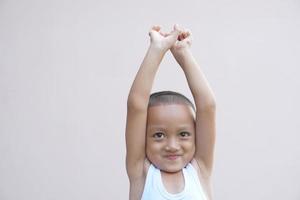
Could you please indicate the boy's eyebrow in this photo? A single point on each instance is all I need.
(157, 126)
(163, 126)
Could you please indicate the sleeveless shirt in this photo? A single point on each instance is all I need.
(154, 188)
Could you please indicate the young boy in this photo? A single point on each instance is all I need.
(170, 144)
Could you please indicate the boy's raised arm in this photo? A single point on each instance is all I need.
(138, 98)
(204, 100)
(141, 87)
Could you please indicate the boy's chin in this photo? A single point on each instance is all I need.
(172, 168)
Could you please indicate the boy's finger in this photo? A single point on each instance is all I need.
(176, 29)
(180, 37)
(189, 39)
(180, 28)
(188, 31)
(155, 28)
(163, 33)
(184, 33)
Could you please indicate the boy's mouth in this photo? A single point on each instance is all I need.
(172, 157)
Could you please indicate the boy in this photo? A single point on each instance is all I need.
(170, 144)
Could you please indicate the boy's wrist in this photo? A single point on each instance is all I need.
(182, 54)
(157, 49)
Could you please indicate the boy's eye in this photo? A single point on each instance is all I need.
(184, 134)
(158, 135)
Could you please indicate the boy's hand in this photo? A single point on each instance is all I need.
(163, 41)
(183, 43)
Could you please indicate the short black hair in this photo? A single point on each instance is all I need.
(169, 97)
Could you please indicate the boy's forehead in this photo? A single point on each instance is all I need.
(180, 114)
(171, 109)
(163, 126)
(169, 106)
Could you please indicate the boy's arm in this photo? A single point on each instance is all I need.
(138, 98)
(204, 100)
(198, 84)
(142, 84)
(205, 111)
(137, 104)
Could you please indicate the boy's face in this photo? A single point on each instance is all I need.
(170, 139)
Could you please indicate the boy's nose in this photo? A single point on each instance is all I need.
(172, 145)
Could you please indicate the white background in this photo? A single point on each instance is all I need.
(66, 68)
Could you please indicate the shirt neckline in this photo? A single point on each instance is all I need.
(164, 191)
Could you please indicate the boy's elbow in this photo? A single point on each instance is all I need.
(208, 106)
(212, 104)
(134, 102)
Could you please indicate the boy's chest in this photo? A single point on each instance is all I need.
(172, 183)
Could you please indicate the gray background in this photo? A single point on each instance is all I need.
(66, 68)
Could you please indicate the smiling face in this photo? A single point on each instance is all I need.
(170, 139)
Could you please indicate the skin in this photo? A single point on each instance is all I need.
(170, 131)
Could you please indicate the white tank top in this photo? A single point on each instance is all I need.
(155, 190)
